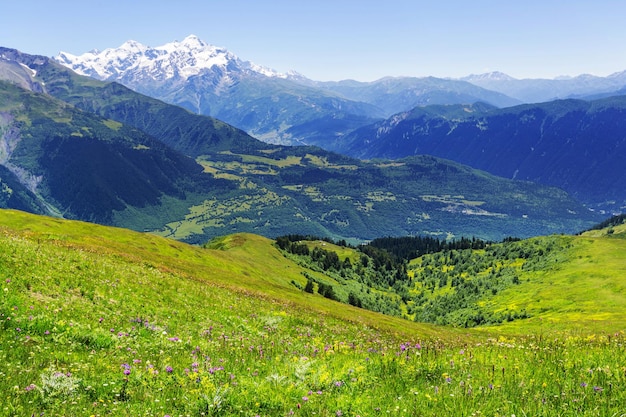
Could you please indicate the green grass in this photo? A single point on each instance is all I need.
(103, 321)
(586, 289)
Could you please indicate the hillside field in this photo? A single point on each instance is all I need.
(104, 321)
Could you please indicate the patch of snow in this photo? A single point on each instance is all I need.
(33, 72)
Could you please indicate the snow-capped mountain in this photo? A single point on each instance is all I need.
(133, 62)
(212, 81)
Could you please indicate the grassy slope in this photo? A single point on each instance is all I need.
(104, 321)
(250, 263)
(585, 291)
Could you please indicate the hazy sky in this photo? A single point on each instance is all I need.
(339, 39)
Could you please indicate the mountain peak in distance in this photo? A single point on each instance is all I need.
(179, 59)
(493, 76)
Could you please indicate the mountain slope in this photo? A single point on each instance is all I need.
(107, 321)
(576, 145)
(87, 167)
(111, 100)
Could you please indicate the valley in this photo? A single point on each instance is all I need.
(104, 153)
(408, 246)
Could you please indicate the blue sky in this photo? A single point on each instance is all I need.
(340, 39)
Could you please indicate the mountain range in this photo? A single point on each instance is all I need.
(539, 90)
(212, 81)
(273, 107)
(577, 145)
(98, 151)
(289, 108)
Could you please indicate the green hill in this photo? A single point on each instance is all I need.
(104, 321)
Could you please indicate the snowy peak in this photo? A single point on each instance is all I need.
(134, 62)
(489, 76)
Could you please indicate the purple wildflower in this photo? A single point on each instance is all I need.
(126, 368)
(169, 369)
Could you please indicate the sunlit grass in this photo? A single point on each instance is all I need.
(103, 321)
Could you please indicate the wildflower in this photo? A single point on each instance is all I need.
(583, 384)
(597, 389)
(169, 369)
(30, 387)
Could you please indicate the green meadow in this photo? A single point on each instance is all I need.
(99, 321)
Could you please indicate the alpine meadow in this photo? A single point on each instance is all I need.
(186, 233)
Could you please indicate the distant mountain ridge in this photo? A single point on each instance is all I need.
(542, 90)
(274, 107)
